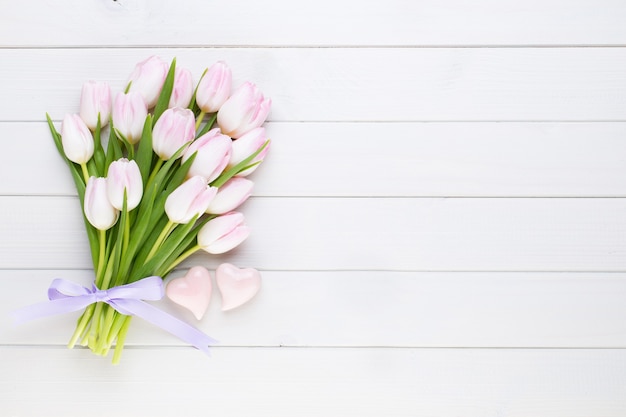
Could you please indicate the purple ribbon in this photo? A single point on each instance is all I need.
(66, 296)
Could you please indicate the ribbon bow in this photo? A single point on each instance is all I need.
(66, 296)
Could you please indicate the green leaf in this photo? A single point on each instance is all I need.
(185, 244)
(180, 173)
(168, 247)
(193, 106)
(147, 244)
(98, 154)
(241, 166)
(157, 184)
(94, 246)
(114, 150)
(166, 92)
(56, 136)
(139, 230)
(130, 149)
(79, 182)
(118, 273)
(207, 126)
(144, 154)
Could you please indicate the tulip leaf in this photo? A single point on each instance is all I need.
(185, 244)
(169, 246)
(109, 154)
(250, 166)
(119, 271)
(79, 181)
(144, 154)
(240, 167)
(56, 136)
(193, 106)
(98, 154)
(166, 92)
(130, 149)
(91, 168)
(180, 174)
(208, 125)
(140, 228)
(114, 150)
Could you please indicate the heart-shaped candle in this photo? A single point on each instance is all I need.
(237, 286)
(192, 291)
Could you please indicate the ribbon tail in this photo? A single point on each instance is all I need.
(51, 308)
(161, 319)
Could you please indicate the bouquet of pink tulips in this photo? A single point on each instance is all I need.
(162, 187)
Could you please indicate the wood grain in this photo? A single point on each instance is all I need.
(125, 23)
(370, 308)
(313, 382)
(424, 234)
(387, 160)
(440, 223)
(352, 84)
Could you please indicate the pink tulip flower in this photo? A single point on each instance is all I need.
(223, 233)
(175, 128)
(246, 146)
(230, 195)
(98, 209)
(95, 98)
(190, 199)
(182, 90)
(212, 154)
(245, 110)
(214, 88)
(76, 139)
(148, 77)
(124, 175)
(129, 115)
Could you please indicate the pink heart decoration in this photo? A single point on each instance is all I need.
(192, 291)
(237, 286)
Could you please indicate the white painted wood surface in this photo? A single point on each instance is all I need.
(440, 223)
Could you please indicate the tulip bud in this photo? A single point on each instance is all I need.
(124, 175)
(190, 199)
(95, 98)
(148, 77)
(230, 195)
(214, 88)
(223, 233)
(76, 139)
(246, 146)
(182, 91)
(243, 111)
(212, 154)
(98, 209)
(174, 128)
(129, 115)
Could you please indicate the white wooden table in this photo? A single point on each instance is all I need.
(440, 225)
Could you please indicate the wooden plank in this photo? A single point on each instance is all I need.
(125, 23)
(313, 382)
(429, 234)
(388, 159)
(358, 84)
(370, 308)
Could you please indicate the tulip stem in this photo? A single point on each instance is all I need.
(181, 258)
(164, 234)
(81, 326)
(85, 172)
(199, 119)
(102, 244)
(121, 338)
(154, 172)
